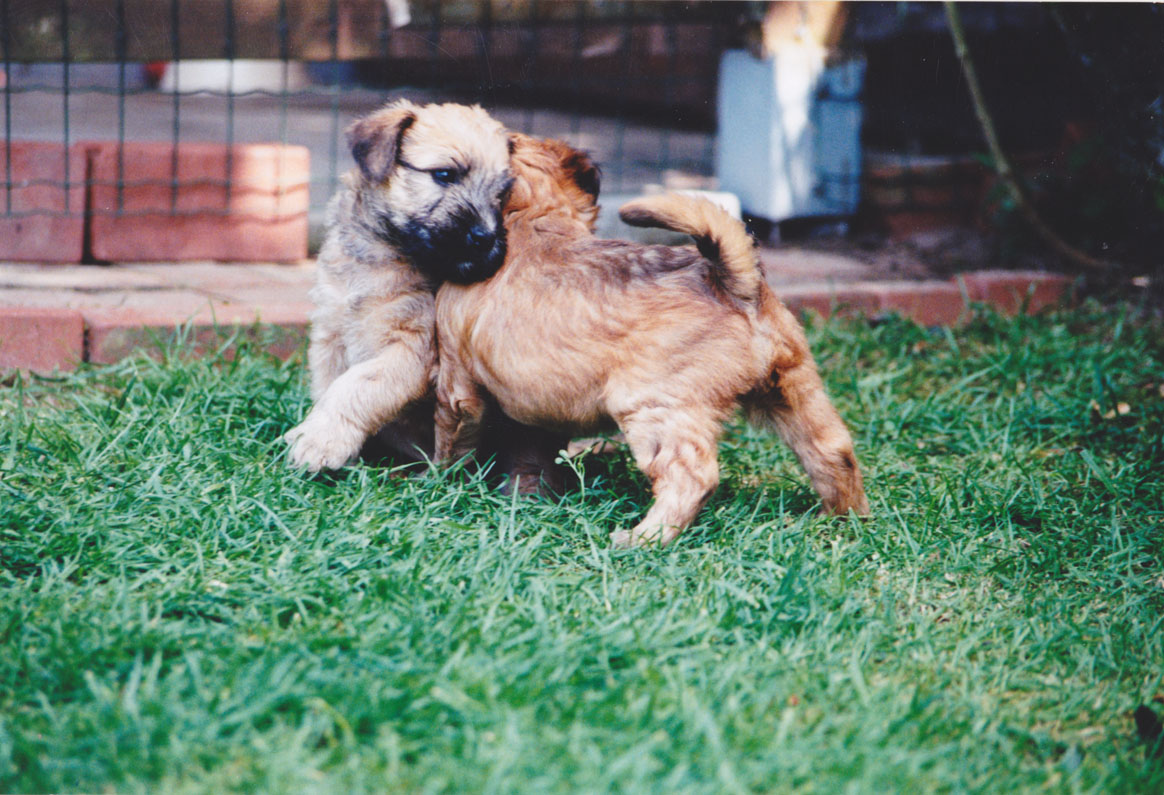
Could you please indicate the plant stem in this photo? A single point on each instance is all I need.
(1002, 164)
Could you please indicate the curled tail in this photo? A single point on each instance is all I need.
(720, 238)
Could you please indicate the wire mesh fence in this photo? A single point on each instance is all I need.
(632, 82)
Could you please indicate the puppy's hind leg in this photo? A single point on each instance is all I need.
(460, 408)
(797, 407)
(678, 451)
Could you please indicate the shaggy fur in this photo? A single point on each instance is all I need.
(423, 206)
(576, 334)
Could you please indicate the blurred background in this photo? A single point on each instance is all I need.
(848, 122)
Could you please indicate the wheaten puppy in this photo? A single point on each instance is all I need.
(423, 206)
(577, 334)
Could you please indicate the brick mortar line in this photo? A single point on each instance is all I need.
(86, 341)
(87, 206)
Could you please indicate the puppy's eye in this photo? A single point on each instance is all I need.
(446, 176)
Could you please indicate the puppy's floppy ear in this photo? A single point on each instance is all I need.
(583, 171)
(375, 139)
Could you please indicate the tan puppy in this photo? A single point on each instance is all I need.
(576, 334)
(423, 206)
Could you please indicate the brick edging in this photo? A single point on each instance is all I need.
(49, 339)
(935, 302)
(41, 339)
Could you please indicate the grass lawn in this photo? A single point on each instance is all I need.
(179, 612)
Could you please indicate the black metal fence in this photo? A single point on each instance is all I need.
(633, 82)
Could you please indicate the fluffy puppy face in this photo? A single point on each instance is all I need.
(433, 181)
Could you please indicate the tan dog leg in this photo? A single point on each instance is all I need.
(677, 451)
(459, 411)
(802, 414)
(326, 358)
(357, 404)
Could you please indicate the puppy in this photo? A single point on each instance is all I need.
(576, 334)
(422, 207)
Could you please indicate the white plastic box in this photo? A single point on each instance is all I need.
(790, 133)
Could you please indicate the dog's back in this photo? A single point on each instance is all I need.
(573, 324)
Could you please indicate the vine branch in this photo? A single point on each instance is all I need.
(1002, 165)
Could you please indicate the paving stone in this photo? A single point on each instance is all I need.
(178, 304)
(792, 266)
(219, 278)
(79, 278)
(271, 294)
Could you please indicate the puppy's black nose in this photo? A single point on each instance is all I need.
(478, 238)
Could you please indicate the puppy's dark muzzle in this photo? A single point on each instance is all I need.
(484, 252)
(480, 239)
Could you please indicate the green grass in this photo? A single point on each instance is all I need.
(179, 612)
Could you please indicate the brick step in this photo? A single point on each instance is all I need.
(52, 318)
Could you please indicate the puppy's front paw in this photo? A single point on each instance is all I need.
(643, 535)
(621, 539)
(318, 444)
(629, 539)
